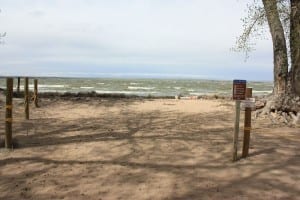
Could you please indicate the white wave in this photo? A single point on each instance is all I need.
(140, 88)
(85, 87)
(59, 91)
(197, 93)
(50, 86)
(133, 83)
(122, 92)
(262, 91)
(191, 90)
(100, 83)
(177, 88)
(31, 86)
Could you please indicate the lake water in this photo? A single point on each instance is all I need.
(143, 87)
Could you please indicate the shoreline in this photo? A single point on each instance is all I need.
(93, 94)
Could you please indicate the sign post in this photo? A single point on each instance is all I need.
(236, 130)
(247, 124)
(238, 94)
(35, 93)
(26, 98)
(8, 115)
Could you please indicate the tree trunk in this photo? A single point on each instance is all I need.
(279, 49)
(286, 85)
(295, 46)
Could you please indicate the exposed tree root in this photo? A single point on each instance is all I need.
(281, 110)
(295, 118)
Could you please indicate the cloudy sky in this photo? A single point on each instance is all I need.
(128, 38)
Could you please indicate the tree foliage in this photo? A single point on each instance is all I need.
(255, 25)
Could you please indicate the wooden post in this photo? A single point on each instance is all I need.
(247, 126)
(8, 115)
(26, 98)
(35, 94)
(236, 130)
(18, 86)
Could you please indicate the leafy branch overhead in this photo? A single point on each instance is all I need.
(255, 25)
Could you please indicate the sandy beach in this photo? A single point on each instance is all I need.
(101, 148)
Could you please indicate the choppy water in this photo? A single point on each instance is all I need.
(143, 87)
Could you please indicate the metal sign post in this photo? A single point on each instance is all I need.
(236, 130)
(238, 94)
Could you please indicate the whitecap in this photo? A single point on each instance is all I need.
(140, 88)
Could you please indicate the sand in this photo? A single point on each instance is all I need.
(145, 149)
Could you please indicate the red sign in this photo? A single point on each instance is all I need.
(239, 89)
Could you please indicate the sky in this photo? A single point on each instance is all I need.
(128, 38)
